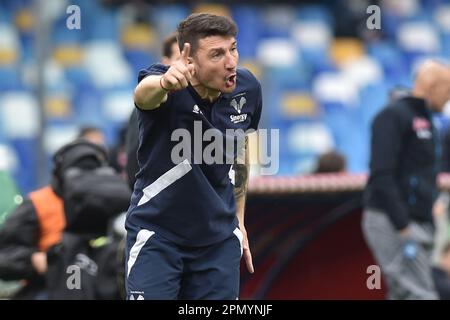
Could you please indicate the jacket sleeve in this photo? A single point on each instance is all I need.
(386, 145)
(131, 148)
(18, 240)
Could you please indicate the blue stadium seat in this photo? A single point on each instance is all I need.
(445, 44)
(372, 99)
(87, 106)
(104, 26)
(5, 15)
(391, 58)
(12, 6)
(248, 19)
(166, 18)
(10, 79)
(139, 59)
(350, 137)
(276, 21)
(62, 35)
(27, 47)
(78, 77)
(315, 13)
(27, 151)
(275, 82)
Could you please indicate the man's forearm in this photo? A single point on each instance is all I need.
(149, 94)
(241, 182)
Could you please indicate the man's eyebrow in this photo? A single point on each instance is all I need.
(219, 49)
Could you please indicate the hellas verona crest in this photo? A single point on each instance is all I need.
(238, 107)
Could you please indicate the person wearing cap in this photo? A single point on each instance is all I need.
(37, 224)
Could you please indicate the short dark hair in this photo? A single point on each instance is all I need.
(201, 25)
(331, 161)
(84, 131)
(167, 44)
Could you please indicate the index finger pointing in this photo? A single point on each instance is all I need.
(186, 51)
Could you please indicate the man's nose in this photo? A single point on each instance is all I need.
(230, 61)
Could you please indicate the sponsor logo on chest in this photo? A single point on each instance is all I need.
(238, 103)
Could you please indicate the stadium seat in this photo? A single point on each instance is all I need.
(343, 50)
(296, 104)
(403, 9)
(10, 78)
(390, 58)
(315, 13)
(24, 20)
(313, 38)
(8, 159)
(139, 60)
(373, 97)
(57, 135)
(309, 137)
(87, 106)
(335, 87)
(78, 77)
(363, 71)
(313, 35)
(68, 55)
(276, 21)
(57, 106)
(117, 106)
(442, 18)
(99, 57)
(104, 25)
(9, 45)
(418, 37)
(55, 78)
(277, 52)
(19, 105)
(138, 37)
(61, 35)
(252, 65)
(27, 151)
(166, 18)
(247, 17)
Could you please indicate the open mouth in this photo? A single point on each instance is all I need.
(230, 81)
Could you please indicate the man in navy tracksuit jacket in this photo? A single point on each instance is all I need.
(405, 154)
(185, 224)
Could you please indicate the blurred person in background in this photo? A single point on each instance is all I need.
(34, 226)
(185, 224)
(93, 195)
(37, 224)
(116, 154)
(170, 53)
(92, 134)
(331, 161)
(405, 156)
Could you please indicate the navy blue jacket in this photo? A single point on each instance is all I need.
(188, 201)
(405, 159)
